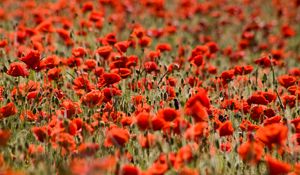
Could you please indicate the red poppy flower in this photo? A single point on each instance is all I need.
(143, 120)
(70, 108)
(286, 80)
(65, 141)
(231, 104)
(251, 152)
(296, 123)
(92, 98)
(90, 64)
(157, 123)
(108, 93)
(198, 112)
(122, 46)
(246, 125)
(82, 82)
(270, 96)
(117, 137)
(194, 81)
(35, 149)
(40, 133)
(158, 168)
(271, 120)
(277, 167)
(107, 79)
(65, 35)
(243, 70)
(201, 97)
(227, 75)
(152, 55)
(164, 47)
(269, 112)
(32, 59)
(287, 31)
(185, 153)
(50, 62)
(129, 170)
(123, 72)
(198, 60)
(144, 41)
(3, 43)
(168, 114)
(87, 6)
(212, 46)
(257, 112)
(151, 66)
(54, 73)
(257, 99)
(17, 69)
(8, 110)
(272, 134)
(104, 51)
(265, 62)
(226, 129)
(78, 52)
(171, 93)
(289, 100)
(109, 39)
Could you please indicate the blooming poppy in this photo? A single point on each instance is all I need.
(157, 123)
(143, 120)
(78, 52)
(257, 99)
(17, 69)
(257, 112)
(129, 170)
(40, 133)
(168, 114)
(286, 80)
(82, 82)
(104, 51)
(163, 47)
(107, 79)
(277, 167)
(32, 59)
(122, 46)
(145, 41)
(123, 72)
(201, 97)
(8, 110)
(226, 129)
(272, 134)
(198, 60)
(70, 108)
(92, 98)
(198, 112)
(117, 137)
(251, 152)
(54, 73)
(151, 66)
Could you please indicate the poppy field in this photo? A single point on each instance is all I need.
(149, 87)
